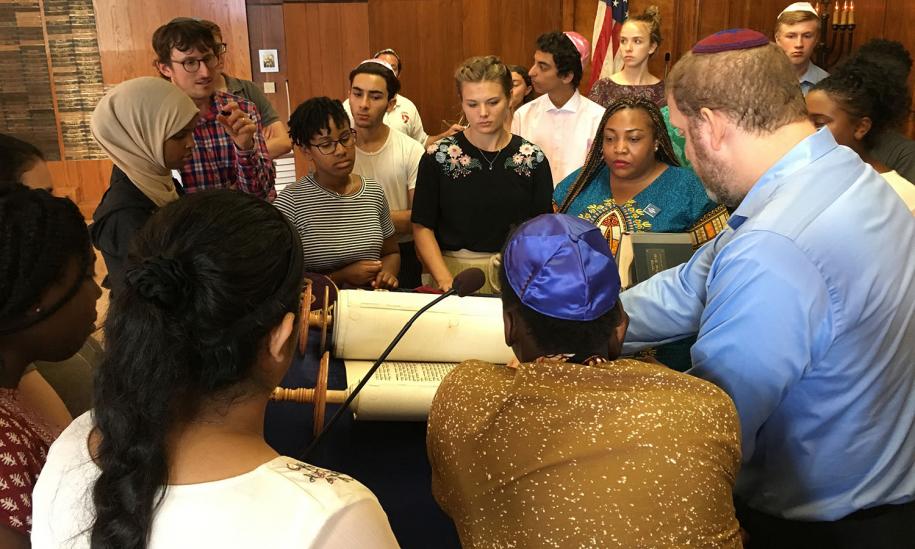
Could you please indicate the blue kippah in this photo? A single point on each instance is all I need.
(731, 39)
(561, 266)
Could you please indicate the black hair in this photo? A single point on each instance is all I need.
(390, 51)
(565, 56)
(40, 235)
(595, 159)
(861, 90)
(555, 335)
(890, 54)
(372, 67)
(16, 157)
(182, 34)
(518, 69)
(313, 116)
(202, 292)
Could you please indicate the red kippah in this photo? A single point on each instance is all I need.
(731, 39)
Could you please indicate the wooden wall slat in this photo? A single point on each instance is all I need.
(126, 29)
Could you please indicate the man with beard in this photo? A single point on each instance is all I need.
(803, 316)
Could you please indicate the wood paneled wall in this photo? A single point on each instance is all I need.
(125, 32)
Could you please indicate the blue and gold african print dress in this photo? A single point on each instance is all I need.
(675, 202)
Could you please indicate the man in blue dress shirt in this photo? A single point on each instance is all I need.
(804, 305)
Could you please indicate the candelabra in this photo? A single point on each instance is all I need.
(837, 32)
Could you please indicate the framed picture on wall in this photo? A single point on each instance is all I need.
(269, 60)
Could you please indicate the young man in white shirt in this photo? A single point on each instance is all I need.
(389, 157)
(797, 30)
(561, 121)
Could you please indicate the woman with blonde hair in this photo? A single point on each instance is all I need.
(639, 41)
(475, 186)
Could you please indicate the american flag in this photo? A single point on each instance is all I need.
(606, 38)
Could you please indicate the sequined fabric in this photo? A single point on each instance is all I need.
(552, 454)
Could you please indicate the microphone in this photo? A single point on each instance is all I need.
(465, 283)
(666, 64)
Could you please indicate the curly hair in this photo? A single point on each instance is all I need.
(313, 116)
(595, 159)
(889, 54)
(565, 56)
(203, 291)
(16, 158)
(861, 90)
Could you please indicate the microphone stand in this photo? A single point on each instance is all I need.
(343, 407)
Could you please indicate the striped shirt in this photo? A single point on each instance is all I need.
(337, 230)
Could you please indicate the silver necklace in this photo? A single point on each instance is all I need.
(488, 161)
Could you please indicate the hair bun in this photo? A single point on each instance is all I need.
(160, 280)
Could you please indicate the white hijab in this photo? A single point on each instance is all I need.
(132, 123)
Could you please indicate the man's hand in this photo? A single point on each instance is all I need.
(362, 273)
(385, 280)
(238, 124)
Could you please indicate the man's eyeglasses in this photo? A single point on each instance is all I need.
(192, 64)
(346, 140)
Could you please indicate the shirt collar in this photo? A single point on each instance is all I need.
(570, 106)
(803, 154)
(812, 75)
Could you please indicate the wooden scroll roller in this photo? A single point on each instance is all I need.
(322, 316)
(319, 396)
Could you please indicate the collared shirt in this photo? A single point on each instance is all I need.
(218, 163)
(804, 312)
(565, 133)
(558, 454)
(810, 78)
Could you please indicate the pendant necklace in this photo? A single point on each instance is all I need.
(488, 161)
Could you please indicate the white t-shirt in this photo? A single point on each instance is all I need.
(903, 187)
(282, 503)
(394, 167)
(404, 117)
(564, 134)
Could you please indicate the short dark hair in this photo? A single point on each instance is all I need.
(371, 67)
(565, 56)
(555, 335)
(182, 34)
(39, 235)
(314, 116)
(16, 158)
(861, 90)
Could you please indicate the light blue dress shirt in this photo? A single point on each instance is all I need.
(805, 314)
(811, 77)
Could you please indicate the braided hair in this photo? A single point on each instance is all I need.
(595, 158)
(40, 234)
(313, 117)
(202, 292)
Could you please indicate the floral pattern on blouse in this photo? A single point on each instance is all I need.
(454, 161)
(528, 157)
(314, 474)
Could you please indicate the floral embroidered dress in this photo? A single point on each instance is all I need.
(672, 203)
(473, 199)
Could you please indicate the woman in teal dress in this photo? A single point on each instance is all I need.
(633, 182)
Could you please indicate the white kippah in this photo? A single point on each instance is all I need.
(800, 6)
(381, 62)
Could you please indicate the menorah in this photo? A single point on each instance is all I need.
(841, 22)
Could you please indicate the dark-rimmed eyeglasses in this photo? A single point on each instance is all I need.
(346, 141)
(192, 64)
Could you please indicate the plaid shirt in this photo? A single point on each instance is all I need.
(217, 163)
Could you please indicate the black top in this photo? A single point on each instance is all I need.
(473, 199)
(124, 209)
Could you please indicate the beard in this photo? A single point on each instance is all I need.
(716, 175)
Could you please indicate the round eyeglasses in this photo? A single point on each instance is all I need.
(346, 140)
(192, 64)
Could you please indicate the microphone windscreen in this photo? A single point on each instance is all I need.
(667, 57)
(468, 281)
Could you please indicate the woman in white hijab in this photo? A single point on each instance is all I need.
(146, 126)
